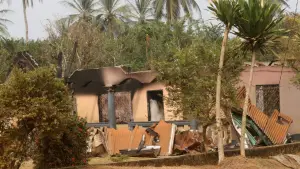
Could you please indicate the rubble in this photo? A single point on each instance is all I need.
(96, 142)
(124, 139)
(188, 141)
(147, 151)
(270, 130)
(158, 140)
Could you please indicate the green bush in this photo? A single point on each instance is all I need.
(37, 121)
(66, 150)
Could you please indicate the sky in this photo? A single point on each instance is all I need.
(49, 10)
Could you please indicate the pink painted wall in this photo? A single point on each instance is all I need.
(289, 94)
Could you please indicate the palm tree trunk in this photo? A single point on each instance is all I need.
(25, 19)
(245, 108)
(218, 97)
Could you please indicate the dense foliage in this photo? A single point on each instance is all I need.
(191, 76)
(37, 121)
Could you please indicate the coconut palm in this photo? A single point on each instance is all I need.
(112, 13)
(224, 11)
(26, 4)
(172, 8)
(3, 22)
(257, 23)
(85, 9)
(141, 10)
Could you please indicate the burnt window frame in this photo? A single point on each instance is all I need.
(148, 102)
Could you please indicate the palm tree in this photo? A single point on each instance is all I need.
(112, 13)
(257, 23)
(173, 7)
(27, 3)
(141, 10)
(3, 21)
(85, 9)
(224, 11)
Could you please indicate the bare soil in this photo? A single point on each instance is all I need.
(229, 163)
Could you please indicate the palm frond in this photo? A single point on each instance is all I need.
(141, 10)
(71, 5)
(159, 7)
(85, 9)
(258, 23)
(225, 11)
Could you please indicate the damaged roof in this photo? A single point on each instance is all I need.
(275, 127)
(97, 80)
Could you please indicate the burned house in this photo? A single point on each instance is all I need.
(134, 96)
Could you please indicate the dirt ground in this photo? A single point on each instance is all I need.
(229, 163)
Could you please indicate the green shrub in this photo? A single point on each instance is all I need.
(37, 121)
(68, 149)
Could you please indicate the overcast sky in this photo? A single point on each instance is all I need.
(40, 15)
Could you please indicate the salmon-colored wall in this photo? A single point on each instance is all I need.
(87, 107)
(289, 94)
(140, 105)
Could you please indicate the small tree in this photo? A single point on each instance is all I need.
(37, 121)
(257, 23)
(225, 11)
(190, 78)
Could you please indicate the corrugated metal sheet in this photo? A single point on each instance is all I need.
(275, 127)
(123, 138)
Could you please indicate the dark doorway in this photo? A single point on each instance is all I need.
(155, 105)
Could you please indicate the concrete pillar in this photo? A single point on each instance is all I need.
(111, 109)
(194, 125)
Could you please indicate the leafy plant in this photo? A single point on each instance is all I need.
(37, 121)
(191, 78)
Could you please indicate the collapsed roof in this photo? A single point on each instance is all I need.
(274, 127)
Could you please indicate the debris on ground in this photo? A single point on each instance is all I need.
(274, 128)
(189, 141)
(123, 139)
(142, 150)
(160, 139)
(148, 151)
(288, 160)
(96, 142)
(293, 138)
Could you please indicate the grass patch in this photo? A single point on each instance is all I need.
(119, 158)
